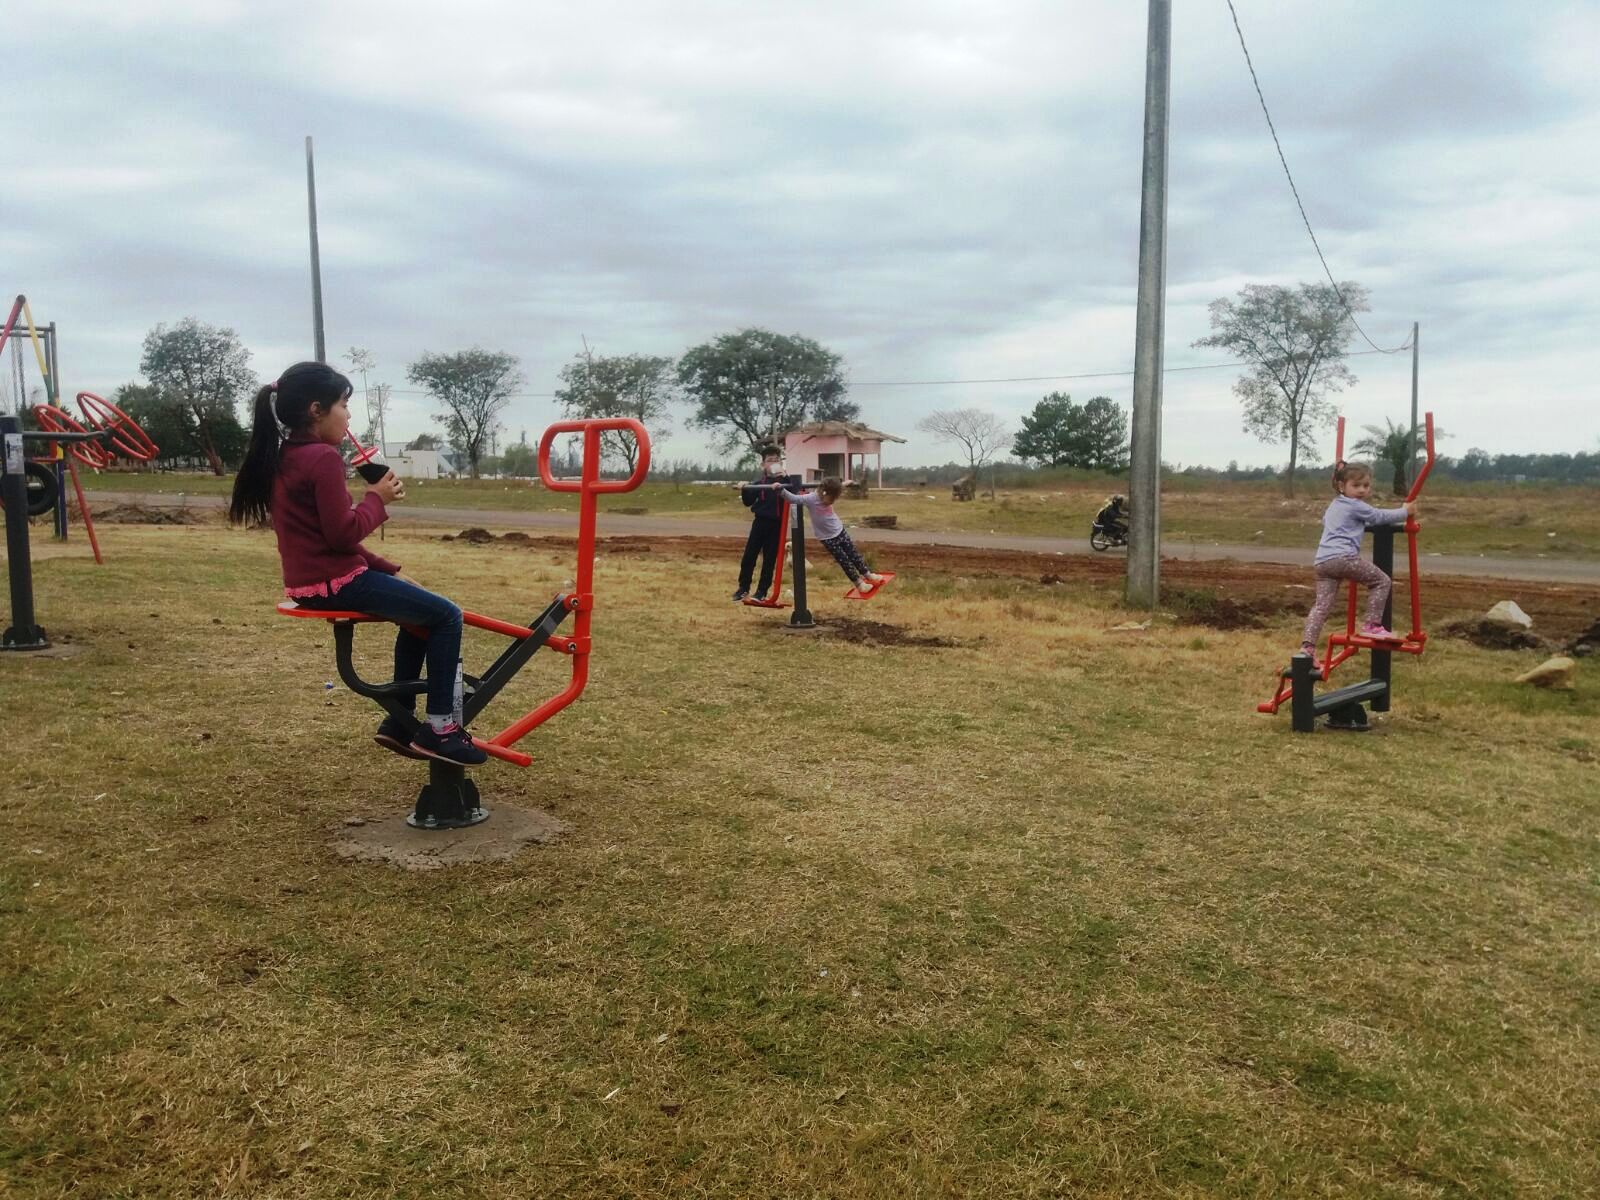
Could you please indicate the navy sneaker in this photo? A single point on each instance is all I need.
(392, 735)
(452, 746)
(740, 594)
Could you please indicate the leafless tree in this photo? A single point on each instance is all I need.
(980, 434)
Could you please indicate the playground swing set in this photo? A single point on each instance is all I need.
(1343, 706)
(450, 800)
(793, 517)
(33, 484)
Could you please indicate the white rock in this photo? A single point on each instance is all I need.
(1508, 613)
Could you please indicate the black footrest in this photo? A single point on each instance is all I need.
(1371, 689)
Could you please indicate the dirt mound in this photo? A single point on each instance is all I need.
(877, 633)
(1200, 607)
(1492, 635)
(140, 514)
(476, 535)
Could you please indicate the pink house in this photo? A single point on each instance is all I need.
(835, 448)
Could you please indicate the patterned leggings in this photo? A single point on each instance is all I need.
(847, 556)
(1330, 575)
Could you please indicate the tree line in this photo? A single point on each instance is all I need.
(745, 389)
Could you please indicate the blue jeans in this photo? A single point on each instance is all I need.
(397, 600)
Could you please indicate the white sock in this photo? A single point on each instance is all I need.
(441, 724)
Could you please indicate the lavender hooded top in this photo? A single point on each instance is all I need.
(825, 523)
(1344, 523)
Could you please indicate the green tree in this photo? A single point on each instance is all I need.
(1391, 444)
(633, 385)
(424, 441)
(473, 386)
(1046, 433)
(1101, 443)
(1293, 340)
(520, 460)
(163, 421)
(750, 387)
(204, 371)
(1062, 433)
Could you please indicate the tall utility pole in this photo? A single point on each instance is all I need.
(316, 261)
(1144, 476)
(1416, 337)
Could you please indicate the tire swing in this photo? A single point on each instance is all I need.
(41, 488)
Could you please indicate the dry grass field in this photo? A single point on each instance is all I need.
(968, 894)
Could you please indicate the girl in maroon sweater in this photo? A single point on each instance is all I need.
(293, 473)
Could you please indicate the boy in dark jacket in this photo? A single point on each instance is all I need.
(766, 525)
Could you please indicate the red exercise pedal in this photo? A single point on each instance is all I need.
(856, 593)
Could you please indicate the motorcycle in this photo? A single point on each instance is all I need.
(1105, 536)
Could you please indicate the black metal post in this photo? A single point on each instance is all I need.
(1383, 660)
(1303, 703)
(23, 633)
(800, 617)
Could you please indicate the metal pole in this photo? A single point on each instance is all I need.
(1383, 660)
(316, 261)
(22, 633)
(1411, 464)
(800, 616)
(1144, 476)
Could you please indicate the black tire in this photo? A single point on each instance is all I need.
(1098, 538)
(41, 489)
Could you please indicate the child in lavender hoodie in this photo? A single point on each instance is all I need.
(1339, 553)
(831, 532)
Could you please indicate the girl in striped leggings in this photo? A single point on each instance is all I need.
(831, 532)
(1339, 553)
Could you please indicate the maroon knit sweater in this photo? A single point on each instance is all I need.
(319, 530)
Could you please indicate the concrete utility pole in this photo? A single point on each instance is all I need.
(1144, 476)
(316, 261)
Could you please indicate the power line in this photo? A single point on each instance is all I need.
(1405, 345)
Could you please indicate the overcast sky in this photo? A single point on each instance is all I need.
(934, 190)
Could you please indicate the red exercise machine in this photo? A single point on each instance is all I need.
(1343, 706)
(450, 800)
(793, 516)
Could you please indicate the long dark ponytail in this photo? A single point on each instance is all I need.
(281, 409)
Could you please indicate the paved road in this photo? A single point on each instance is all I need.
(1534, 569)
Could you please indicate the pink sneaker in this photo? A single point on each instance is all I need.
(1378, 633)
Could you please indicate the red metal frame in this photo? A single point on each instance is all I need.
(1346, 645)
(58, 420)
(776, 594)
(580, 602)
(106, 416)
(16, 311)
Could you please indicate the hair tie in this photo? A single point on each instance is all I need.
(272, 407)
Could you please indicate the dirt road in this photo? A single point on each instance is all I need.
(614, 525)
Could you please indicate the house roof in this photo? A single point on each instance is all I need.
(850, 429)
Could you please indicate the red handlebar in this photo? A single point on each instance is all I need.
(1422, 475)
(591, 463)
